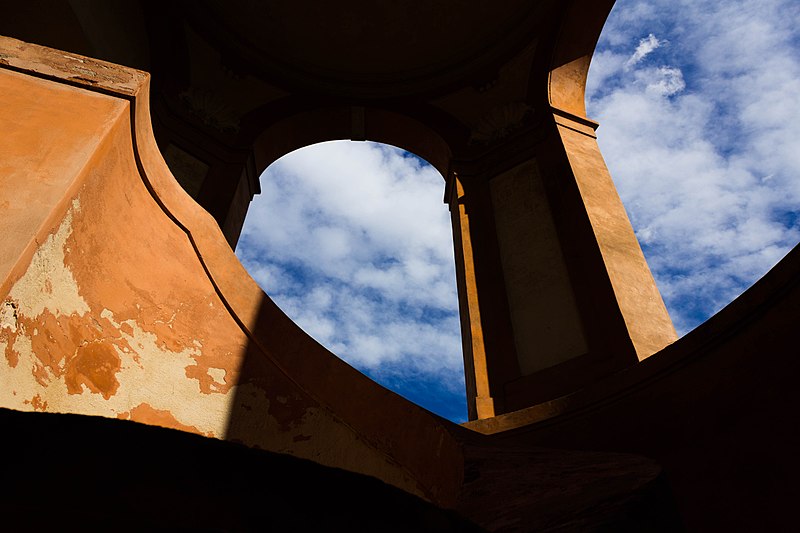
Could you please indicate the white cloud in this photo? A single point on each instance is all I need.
(646, 46)
(702, 148)
(353, 241)
(662, 81)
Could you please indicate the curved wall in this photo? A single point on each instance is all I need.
(128, 302)
(121, 298)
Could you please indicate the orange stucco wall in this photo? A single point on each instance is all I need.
(120, 297)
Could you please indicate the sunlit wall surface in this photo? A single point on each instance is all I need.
(353, 242)
(699, 103)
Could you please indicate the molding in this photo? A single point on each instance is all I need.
(574, 122)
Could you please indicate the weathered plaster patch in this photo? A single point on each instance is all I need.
(212, 379)
(95, 365)
(146, 414)
(107, 377)
(133, 360)
(48, 283)
(8, 316)
(37, 403)
(165, 371)
(7, 353)
(69, 359)
(218, 375)
(20, 344)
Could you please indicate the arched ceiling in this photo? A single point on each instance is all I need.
(370, 49)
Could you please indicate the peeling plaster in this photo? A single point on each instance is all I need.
(162, 383)
(8, 316)
(4, 351)
(73, 359)
(94, 327)
(218, 375)
(21, 344)
(49, 284)
(66, 354)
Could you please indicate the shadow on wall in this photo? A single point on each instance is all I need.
(125, 476)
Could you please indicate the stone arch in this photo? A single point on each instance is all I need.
(276, 145)
(572, 54)
(356, 123)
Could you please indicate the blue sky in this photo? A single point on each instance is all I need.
(352, 240)
(699, 105)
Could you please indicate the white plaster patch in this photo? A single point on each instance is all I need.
(19, 377)
(8, 316)
(218, 375)
(22, 344)
(48, 283)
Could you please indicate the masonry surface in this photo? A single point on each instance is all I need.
(123, 307)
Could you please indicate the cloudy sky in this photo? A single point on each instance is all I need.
(699, 105)
(352, 241)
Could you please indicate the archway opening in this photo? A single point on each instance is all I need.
(697, 107)
(353, 242)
